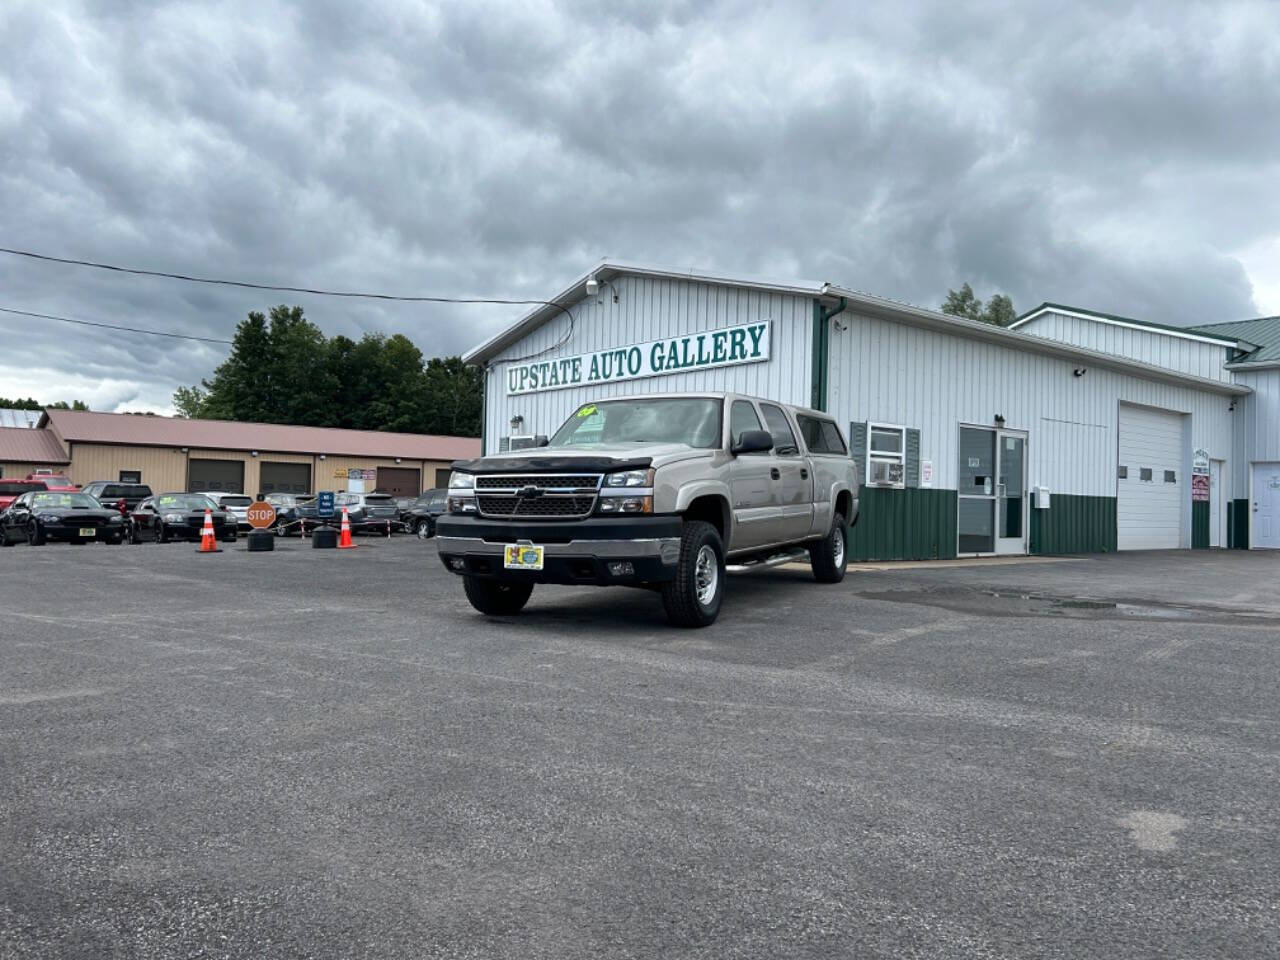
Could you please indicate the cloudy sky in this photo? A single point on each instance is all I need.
(1120, 157)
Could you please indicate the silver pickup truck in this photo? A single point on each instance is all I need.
(658, 491)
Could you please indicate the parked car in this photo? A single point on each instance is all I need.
(179, 516)
(654, 491)
(39, 516)
(366, 511)
(286, 508)
(236, 504)
(124, 497)
(421, 517)
(11, 490)
(53, 481)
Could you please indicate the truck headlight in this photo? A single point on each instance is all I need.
(629, 478)
(462, 481)
(462, 504)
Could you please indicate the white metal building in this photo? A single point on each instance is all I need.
(971, 439)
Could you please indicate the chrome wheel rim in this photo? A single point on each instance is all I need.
(706, 575)
(423, 530)
(839, 558)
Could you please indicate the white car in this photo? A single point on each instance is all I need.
(236, 504)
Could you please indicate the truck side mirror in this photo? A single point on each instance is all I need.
(542, 440)
(753, 441)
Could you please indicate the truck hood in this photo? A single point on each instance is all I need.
(598, 456)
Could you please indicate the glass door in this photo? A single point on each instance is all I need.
(1011, 492)
(977, 491)
(992, 491)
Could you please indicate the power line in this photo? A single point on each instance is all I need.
(244, 284)
(112, 326)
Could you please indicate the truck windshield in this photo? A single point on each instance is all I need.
(694, 421)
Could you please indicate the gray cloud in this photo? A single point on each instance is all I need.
(1121, 157)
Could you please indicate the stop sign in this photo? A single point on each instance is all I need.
(261, 515)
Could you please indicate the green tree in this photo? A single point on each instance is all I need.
(282, 369)
(963, 303)
(63, 405)
(27, 404)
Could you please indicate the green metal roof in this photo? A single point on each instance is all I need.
(1263, 333)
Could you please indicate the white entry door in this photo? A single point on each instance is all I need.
(1151, 488)
(1264, 527)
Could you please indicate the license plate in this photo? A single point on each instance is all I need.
(522, 556)
(87, 531)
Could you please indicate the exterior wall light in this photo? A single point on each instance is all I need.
(182, 449)
(397, 459)
(516, 422)
(253, 453)
(322, 456)
(999, 420)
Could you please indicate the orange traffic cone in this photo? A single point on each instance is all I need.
(344, 541)
(208, 542)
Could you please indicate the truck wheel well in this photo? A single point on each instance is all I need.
(712, 509)
(844, 504)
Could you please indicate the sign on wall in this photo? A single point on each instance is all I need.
(1200, 462)
(358, 473)
(722, 347)
(1200, 487)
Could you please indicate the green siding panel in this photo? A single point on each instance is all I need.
(1199, 525)
(1238, 524)
(910, 524)
(1074, 524)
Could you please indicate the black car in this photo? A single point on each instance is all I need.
(124, 497)
(287, 516)
(43, 515)
(421, 517)
(179, 516)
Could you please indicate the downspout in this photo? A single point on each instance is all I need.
(821, 351)
(484, 408)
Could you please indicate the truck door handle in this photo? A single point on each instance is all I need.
(804, 473)
(775, 473)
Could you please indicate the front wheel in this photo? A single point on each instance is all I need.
(424, 529)
(693, 598)
(829, 556)
(162, 532)
(35, 534)
(496, 598)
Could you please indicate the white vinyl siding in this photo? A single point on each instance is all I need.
(1149, 511)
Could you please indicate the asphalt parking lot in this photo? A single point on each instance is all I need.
(323, 754)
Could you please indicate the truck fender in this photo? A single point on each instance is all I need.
(689, 492)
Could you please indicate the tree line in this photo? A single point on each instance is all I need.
(30, 403)
(283, 369)
(963, 303)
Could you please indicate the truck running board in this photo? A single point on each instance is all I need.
(773, 561)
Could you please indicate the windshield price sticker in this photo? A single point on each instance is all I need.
(723, 347)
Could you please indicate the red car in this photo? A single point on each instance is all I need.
(11, 490)
(57, 482)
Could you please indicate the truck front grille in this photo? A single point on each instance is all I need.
(547, 506)
(537, 495)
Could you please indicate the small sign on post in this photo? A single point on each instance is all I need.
(1200, 462)
(1200, 487)
(324, 503)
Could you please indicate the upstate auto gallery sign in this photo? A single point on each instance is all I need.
(722, 347)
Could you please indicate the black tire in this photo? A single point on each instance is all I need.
(134, 535)
(4, 539)
(162, 532)
(116, 541)
(693, 598)
(424, 530)
(496, 598)
(230, 537)
(35, 535)
(830, 556)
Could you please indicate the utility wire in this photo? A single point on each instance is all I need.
(111, 326)
(310, 290)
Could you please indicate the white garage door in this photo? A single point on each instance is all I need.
(1151, 488)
